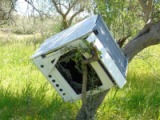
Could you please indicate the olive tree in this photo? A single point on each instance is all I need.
(68, 10)
(6, 9)
(137, 21)
(147, 36)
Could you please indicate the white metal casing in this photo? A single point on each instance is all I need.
(111, 67)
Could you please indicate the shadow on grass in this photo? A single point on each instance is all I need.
(139, 100)
(31, 104)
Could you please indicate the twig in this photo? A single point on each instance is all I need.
(94, 56)
(84, 85)
(40, 12)
(121, 41)
(85, 72)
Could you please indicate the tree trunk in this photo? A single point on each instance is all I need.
(64, 23)
(92, 104)
(149, 35)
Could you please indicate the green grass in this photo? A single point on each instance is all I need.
(140, 98)
(24, 92)
(26, 95)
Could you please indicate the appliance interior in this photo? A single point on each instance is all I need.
(70, 68)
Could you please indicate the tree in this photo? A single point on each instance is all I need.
(67, 9)
(149, 35)
(120, 16)
(6, 8)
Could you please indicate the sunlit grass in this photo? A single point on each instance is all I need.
(24, 92)
(26, 95)
(139, 99)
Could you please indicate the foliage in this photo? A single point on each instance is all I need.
(31, 25)
(120, 16)
(6, 8)
(156, 11)
(68, 10)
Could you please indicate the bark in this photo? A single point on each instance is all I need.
(121, 41)
(92, 104)
(147, 9)
(148, 36)
(65, 23)
(84, 85)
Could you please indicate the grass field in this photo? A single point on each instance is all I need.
(26, 95)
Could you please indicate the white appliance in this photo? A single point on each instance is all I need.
(54, 59)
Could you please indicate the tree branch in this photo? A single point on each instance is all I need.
(12, 6)
(31, 3)
(65, 6)
(94, 56)
(6, 14)
(143, 4)
(121, 41)
(57, 8)
(75, 14)
(70, 7)
(149, 35)
(84, 85)
(147, 9)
